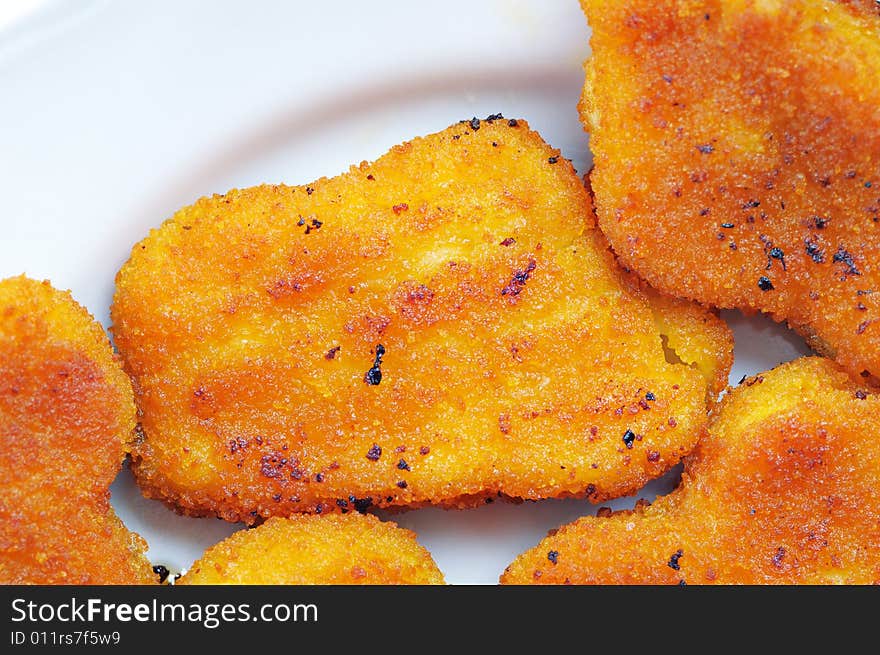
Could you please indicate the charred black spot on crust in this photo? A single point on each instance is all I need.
(361, 504)
(845, 258)
(162, 572)
(777, 558)
(814, 251)
(271, 465)
(864, 326)
(673, 560)
(237, 444)
(778, 254)
(518, 280)
(374, 375)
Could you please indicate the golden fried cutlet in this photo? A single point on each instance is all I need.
(67, 417)
(737, 157)
(352, 549)
(443, 325)
(783, 490)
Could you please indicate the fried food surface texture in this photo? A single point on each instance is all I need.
(737, 157)
(783, 490)
(67, 417)
(350, 549)
(444, 325)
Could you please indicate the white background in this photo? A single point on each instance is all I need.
(113, 114)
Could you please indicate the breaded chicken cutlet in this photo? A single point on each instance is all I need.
(782, 490)
(444, 325)
(67, 417)
(737, 158)
(351, 549)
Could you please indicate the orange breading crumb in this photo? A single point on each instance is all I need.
(443, 325)
(782, 490)
(67, 417)
(737, 157)
(336, 549)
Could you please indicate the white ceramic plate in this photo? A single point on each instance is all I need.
(116, 113)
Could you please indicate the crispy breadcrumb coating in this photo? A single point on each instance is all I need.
(67, 417)
(352, 549)
(737, 157)
(442, 326)
(782, 490)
